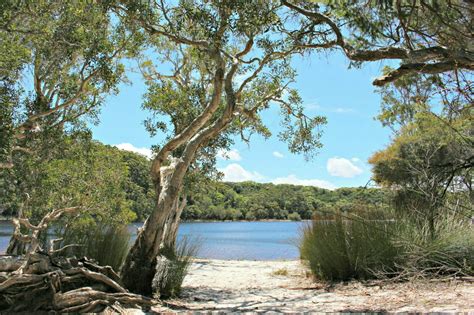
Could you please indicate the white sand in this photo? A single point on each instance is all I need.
(254, 286)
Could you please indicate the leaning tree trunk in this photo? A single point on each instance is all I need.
(160, 228)
(158, 231)
(173, 223)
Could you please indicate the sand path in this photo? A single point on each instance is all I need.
(283, 286)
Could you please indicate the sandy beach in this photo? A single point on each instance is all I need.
(285, 286)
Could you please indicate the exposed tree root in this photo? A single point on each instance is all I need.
(46, 283)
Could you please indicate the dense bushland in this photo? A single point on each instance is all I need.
(134, 196)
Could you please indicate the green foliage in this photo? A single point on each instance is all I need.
(179, 260)
(107, 244)
(294, 216)
(354, 247)
(451, 252)
(256, 201)
(59, 61)
(428, 165)
(75, 172)
(138, 187)
(349, 247)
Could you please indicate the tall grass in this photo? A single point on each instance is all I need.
(351, 247)
(348, 248)
(449, 252)
(105, 243)
(175, 264)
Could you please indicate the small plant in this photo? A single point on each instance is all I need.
(107, 244)
(353, 247)
(348, 247)
(449, 252)
(280, 272)
(175, 265)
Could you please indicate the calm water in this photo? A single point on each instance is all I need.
(225, 240)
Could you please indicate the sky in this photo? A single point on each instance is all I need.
(328, 88)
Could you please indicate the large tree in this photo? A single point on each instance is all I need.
(427, 37)
(58, 60)
(226, 62)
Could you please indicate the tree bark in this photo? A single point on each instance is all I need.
(160, 228)
(139, 267)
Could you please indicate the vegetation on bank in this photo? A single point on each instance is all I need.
(121, 178)
(428, 170)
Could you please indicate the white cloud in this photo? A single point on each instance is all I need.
(293, 180)
(312, 106)
(342, 110)
(232, 155)
(342, 167)
(315, 106)
(130, 147)
(236, 173)
(278, 154)
(356, 160)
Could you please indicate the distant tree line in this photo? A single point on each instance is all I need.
(130, 189)
(257, 201)
(216, 200)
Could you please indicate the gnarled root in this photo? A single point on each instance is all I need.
(63, 285)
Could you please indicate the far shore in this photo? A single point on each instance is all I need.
(4, 218)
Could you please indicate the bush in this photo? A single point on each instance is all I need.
(176, 263)
(105, 243)
(356, 248)
(344, 249)
(294, 216)
(449, 252)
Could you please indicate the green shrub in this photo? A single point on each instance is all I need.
(178, 260)
(105, 243)
(294, 216)
(449, 252)
(348, 248)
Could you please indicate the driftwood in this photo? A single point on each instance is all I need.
(58, 284)
(43, 281)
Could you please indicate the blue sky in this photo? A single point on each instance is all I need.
(345, 96)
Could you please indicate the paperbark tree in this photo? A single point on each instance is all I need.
(428, 37)
(58, 60)
(229, 60)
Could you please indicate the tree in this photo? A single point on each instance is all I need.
(428, 37)
(229, 60)
(433, 42)
(82, 174)
(57, 63)
(429, 165)
(69, 54)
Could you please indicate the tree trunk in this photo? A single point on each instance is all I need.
(16, 247)
(139, 267)
(160, 228)
(170, 238)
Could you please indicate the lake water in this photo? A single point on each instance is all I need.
(225, 240)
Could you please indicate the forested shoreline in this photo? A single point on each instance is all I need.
(214, 201)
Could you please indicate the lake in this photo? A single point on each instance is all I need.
(225, 240)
